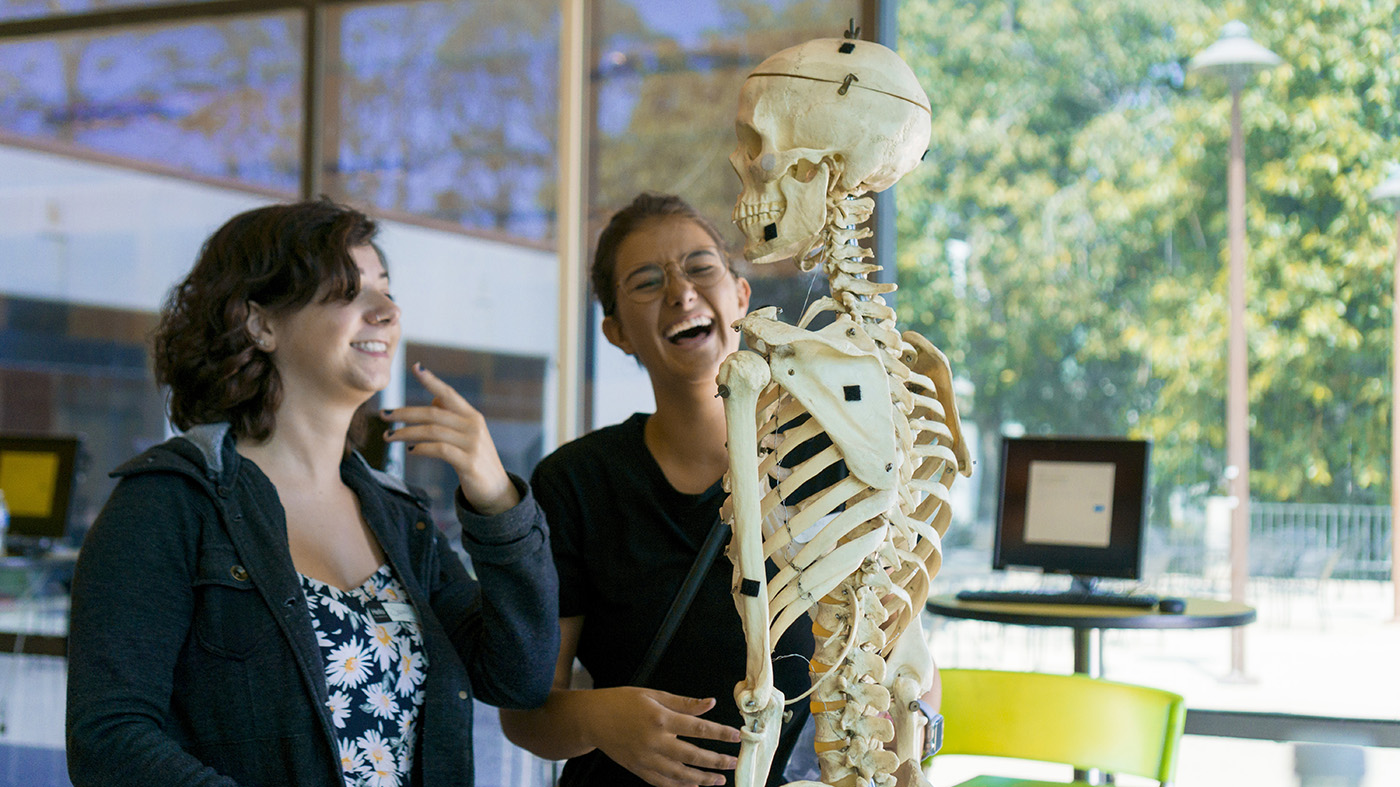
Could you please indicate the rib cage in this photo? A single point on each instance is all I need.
(920, 519)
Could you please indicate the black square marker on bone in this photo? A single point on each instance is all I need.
(748, 587)
(770, 231)
(852, 392)
(847, 48)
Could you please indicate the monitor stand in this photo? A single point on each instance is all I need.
(1082, 584)
(1089, 586)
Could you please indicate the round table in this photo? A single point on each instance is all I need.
(1088, 622)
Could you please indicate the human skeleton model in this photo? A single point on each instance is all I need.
(820, 125)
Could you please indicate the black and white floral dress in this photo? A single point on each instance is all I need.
(375, 663)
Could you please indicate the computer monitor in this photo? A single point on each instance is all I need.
(1073, 505)
(36, 474)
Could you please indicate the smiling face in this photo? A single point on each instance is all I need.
(682, 333)
(335, 351)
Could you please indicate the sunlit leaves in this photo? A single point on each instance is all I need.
(1080, 178)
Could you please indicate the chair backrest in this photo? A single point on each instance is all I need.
(1070, 719)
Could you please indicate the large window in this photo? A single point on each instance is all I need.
(447, 111)
(215, 99)
(1065, 244)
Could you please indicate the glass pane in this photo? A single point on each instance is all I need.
(508, 390)
(217, 99)
(30, 9)
(448, 111)
(84, 371)
(1066, 244)
(665, 89)
(666, 86)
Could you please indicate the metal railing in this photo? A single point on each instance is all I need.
(1311, 540)
(1352, 540)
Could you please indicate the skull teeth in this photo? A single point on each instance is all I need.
(748, 216)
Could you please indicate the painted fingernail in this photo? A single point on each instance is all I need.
(386, 413)
(388, 432)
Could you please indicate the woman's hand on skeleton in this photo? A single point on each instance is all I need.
(642, 730)
(452, 430)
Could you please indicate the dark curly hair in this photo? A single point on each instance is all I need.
(279, 257)
(645, 207)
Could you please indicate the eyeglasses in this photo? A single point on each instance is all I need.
(702, 268)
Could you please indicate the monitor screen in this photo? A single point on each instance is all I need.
(36, 474)
(1072, 505)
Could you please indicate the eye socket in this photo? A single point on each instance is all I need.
(749, 139)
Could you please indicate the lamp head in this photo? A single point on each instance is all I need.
(1234, 56)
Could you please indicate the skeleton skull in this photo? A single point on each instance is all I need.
(817, 122)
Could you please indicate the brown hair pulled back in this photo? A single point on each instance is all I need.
(645, 207)
(279, 257)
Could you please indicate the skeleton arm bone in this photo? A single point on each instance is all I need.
(934, 364)
(910, 664)
(742, 377)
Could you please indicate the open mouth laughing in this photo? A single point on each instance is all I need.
(690, 329)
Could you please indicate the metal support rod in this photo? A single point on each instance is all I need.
(1088, 660)
(1088, 652)
(1237, 394)
(881, 22)
(1395, 429)
(313, 109)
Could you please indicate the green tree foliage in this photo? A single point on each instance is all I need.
(1065, 242)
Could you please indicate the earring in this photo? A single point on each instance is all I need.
(261, 343)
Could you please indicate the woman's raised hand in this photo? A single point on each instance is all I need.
(452, 430)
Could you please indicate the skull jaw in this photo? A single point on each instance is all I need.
(801, 221)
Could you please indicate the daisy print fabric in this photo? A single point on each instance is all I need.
(374, 673)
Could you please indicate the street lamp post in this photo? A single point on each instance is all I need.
(1389, 191)
(1236, 56)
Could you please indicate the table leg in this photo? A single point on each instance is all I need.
(1088, 652)
(1088, 660)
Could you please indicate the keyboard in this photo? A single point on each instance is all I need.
(1137, 601)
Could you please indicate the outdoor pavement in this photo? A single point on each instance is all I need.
(1326, 649)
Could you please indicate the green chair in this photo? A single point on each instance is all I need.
(1070, 719)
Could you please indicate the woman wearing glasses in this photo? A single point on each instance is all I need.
(629, 507)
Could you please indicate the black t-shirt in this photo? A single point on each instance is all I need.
(624, 540)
